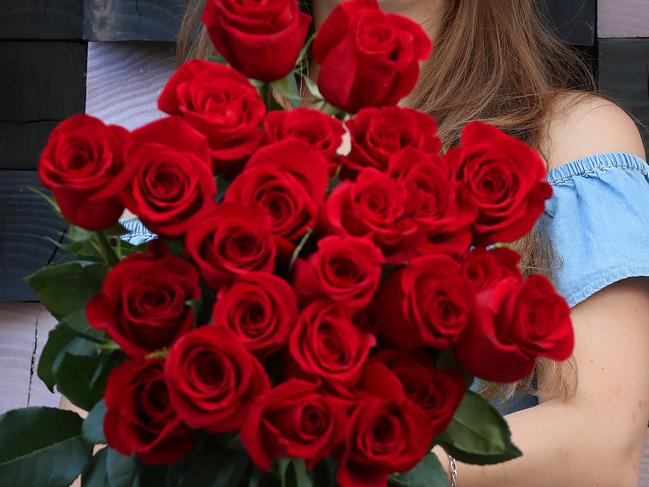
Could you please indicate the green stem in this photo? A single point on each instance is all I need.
(108, 250)
(266, 92)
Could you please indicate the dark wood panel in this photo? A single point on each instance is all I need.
(41, 19)
(132, 20)
(574, 21)
(22, 142)
(26, 221)
(624, 76)
(41, 81)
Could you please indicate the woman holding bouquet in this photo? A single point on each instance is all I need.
(493, 61)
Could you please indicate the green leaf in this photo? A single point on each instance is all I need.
(428, 473)
(78, 234)
(121, 471)
(49, 199)
(216, 59)
(478, 434)
(93, 425)
(82, 379)
(95, 474)
(446, 361)
(77, 322)
(301, 477)
(65, 288)
(324, 473)
(220, 468)
(41, 447)
(61, 340)
(292, 472)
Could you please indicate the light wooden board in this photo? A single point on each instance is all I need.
(23, 332)
(622, 18)
(124, 81)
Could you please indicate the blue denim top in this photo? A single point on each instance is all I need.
(598, 224)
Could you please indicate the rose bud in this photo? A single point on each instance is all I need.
(344, 269)
(139, 416)
(518, 323)
(293, 420)
(168, 179)
(367, 57)
(213, 380)
(81, 164)
(222, 105)
(144, 301)
(262, 40)
(260, 308)
(326, 345)
(386, 433)
(505, 177)
(426, 303)
(377, 134)
(231, 240)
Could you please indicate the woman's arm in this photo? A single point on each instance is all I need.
(595, 438)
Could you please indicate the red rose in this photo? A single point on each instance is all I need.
(260, 308)
(379, 133)
(169, 182)
(260, 39)
(143, 303)
(222, 105)
(139, 416)
(426, 303)
(319, 130)
(518, 324)
(366, 57)
(293, 420)
(438, 393)
(213, 380)
(377, 207)
(289, 180)
(344, 269)
(80, 164)
(325, 344)
(386, 433)
(506, 179)
(444, 211)
(486, 269)
(229, 241)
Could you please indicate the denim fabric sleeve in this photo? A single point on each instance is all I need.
(598, 223)
(137, 232)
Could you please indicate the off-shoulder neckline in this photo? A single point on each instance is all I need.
(595, 162)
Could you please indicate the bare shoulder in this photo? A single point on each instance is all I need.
(581, 125)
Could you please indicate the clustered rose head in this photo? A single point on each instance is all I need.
(305, 305)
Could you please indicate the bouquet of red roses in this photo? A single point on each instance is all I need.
(314, 308)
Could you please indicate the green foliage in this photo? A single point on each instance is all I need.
(61, 340)
(429, 473)
(478, 434)
(65, 288)
(95, 474)
(93, 425)
(82, 379)
(41, 447)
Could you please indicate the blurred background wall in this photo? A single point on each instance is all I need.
(111, 57)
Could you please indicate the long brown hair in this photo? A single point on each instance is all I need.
(495, 61)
